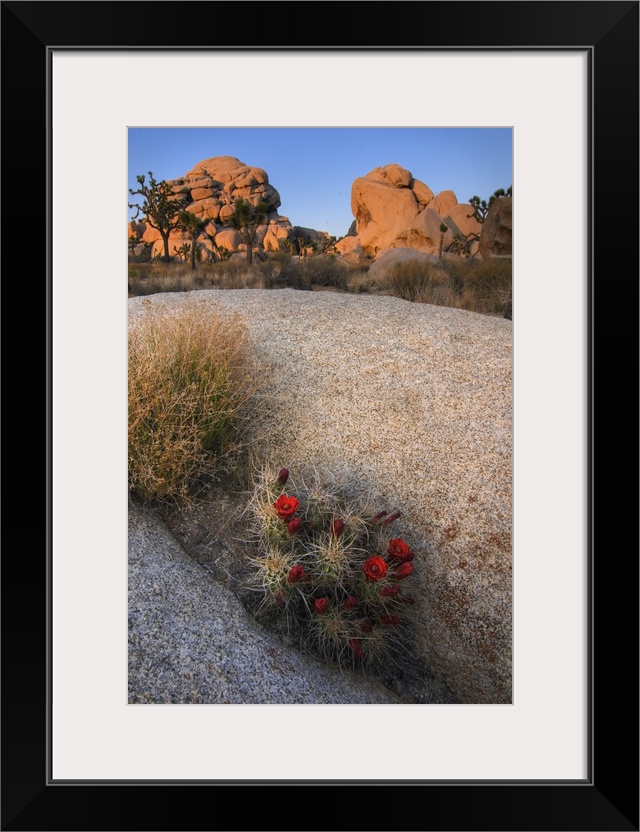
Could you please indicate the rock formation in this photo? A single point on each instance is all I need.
(209, 190)
(495, 239)
(393, 209)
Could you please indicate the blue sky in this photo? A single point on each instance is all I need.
(313, 168)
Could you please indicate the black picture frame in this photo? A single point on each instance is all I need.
(608, 798)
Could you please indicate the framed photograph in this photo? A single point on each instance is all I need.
(564, 78)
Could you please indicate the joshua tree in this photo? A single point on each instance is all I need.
(246, 218)
(160, 207)
(194, 226)
(481, 206)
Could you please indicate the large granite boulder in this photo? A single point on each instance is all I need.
(349, 249)
(496, 235)
(461, 220)
(411, 404)
(383, 211)
(395, 210)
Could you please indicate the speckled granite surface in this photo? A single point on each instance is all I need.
(413, 403)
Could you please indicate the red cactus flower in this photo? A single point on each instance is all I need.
(286, 506)
(392, 620)
(403, 571)
(389, 591)
(296, 573)
(356, 647)
(377, 517)
(391, 518)
(337, 527)
(350, 602)
(398, 549)
(283, 476)
(294, 525)
(375, 568)
(366, 626)
(321, 605)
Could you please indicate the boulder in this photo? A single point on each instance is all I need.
(443, 202)
(410, 405)
(307, 235)
(348, 245)
(150, 234)
(388, 258)
(271, 242)
(393, 174)
(460, 220)
(201, 193)
(229, 238)
(495, 238)
(140, 251)
(422, 192)
(349, 249)
(424, 233)
(382, 212)
(225, 212)
(135, 229)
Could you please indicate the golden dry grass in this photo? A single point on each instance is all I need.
(191, 378)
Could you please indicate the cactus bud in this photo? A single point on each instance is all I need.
(321, 605)
(337, 527)
(283, 476)
(356, 647)
(294, 525)
(403, 571)
(389, 591)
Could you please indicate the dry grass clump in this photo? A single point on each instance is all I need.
(474, 285)
(419, 282)
(484, 285)
(154, 278)
(191, 378)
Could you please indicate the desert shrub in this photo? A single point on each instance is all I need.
(329, 571)
(491, 282)
(303, 273)
(154, 278)
(325, 270)
(481, 285)
(360, 281)
(270, 268)
(190, 381)
(294, 275)
(419, 282)
(236, 274)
